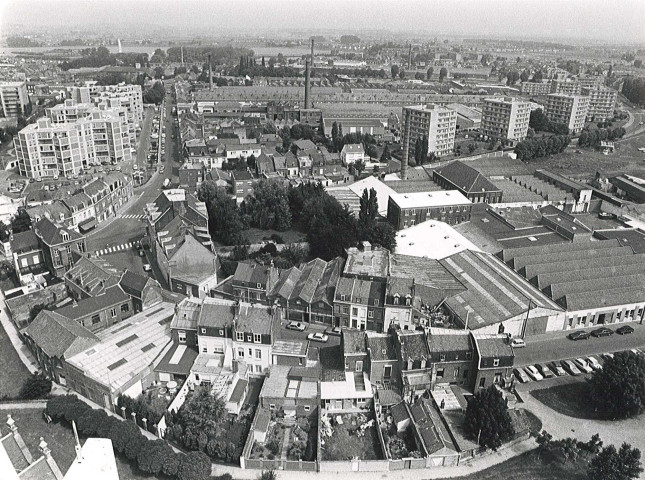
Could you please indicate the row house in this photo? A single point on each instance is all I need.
(359, 304)
(494, 359)
(58, 244)
(414, 362)
(252, 282)
(452, 357)
(101, 311)
(254, 330)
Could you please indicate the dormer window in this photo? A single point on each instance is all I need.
(496, 362)
(64, 235)
(376, 302)
(257, 338)
(259, 285)
(342, 297)
(396, 299)
(221, 333)
(469, 355)
(240, 336)
(442, 357)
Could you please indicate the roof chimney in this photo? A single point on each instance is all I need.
(210, 73)
(307, 86)
(406, 145)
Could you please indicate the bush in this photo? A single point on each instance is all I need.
(194, 466)
(67, 407)
(36, 386)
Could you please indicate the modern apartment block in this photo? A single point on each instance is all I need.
(407, 209)
(567, 86)
(602, 102)
(570, 110)
(13, 99)
(437, 124)
(124, 95)
(535, 88)
(506, 118)
(71, 138)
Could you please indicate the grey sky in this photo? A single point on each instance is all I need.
(611, 20)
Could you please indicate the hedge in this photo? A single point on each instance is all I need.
(150, 456)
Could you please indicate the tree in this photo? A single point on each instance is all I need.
(402, 74)
(429, 73)
(35, 310)
(609, 464)
(471, 147)
(538, 120)
(395, 71)
(268, 475)
(443, 73)
(21, 222)
(203, 412)
(618, 390)
(487, 419)
(386, 156)
(151, 456)
(225, 219)
(121, 433)
(155, 94)
(369, 206)
(268, 206)
(36, 386)
(194, 466)
(171, 462)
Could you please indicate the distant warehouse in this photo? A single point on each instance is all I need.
(407, 209)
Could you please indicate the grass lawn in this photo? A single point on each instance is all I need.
(571, 400)
(60, 440)
(15, 373)
(346, 441)
(255, 235)
(529, 467)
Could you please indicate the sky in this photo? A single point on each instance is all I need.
(610, 20)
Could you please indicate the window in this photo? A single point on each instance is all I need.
(181, 336)
(249, 338)
(469, 355)
(307, 408)
(370, 314)
(221, 333)
(125, 308)
(113, 312)
(240, 336)
(204, 349)
(359, 365)
(345, 310)
(258, 353)
(300, 361)
(96, 319)
(342, 297)
(496, 362)
(354, 311)
(258, 369)
(358, 300)
(376, 303)
(240, 353)
(482, 382)
(440, 373)
(387, 371)
(259, 285)
(442, 357)
(257, 338)
(68, 248)
(202, 330)
(272, 406)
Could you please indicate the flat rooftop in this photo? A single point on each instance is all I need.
(431, 239)
(442, 198)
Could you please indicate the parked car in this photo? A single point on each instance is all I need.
(333, 331)
(146, 267)
(570, 367)
(318, 337)
(533, 373)
(607, 356)
(602, 332)
(583, 365)
(557, 369)
(594, 363)
(544, 371)
(296, 326)
(518, 343)
(581, 335)
(625, 330)
(520, 375)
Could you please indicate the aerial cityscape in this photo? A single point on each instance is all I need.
(310, 240)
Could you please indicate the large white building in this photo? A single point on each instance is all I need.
(506, 118)
(13, 99)
(72, 138)
(434, 123)
(602, 102)
(570, 110)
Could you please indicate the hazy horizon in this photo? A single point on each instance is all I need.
(549, 20)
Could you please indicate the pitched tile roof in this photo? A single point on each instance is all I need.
(133, 283)
(93, 275)
(83, 308)
(59, 336)
(381, 347)
(443, 340)
(216, 315)
(50, 233)
(24, 242)
(353, 341)
(255, 319)
(413, 346)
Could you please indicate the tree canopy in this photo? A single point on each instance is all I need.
(487, 418)
(612, 464)
(225, 218)
(268, 206)
(618, 390)
(21, 222)
(202, 412)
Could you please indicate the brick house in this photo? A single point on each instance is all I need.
(494, 359)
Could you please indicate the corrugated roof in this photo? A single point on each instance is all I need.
(466, 178)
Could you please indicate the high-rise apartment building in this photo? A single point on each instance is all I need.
(567, 86)
(506, 118)
(602, 102)
(70, 139)
(435, 124)
(13, 99)
(535, 88)
(570, 110)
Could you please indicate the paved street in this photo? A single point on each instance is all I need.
(556, 346)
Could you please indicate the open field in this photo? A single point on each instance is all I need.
(570, 399)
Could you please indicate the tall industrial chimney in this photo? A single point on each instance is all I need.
(307, 86)
(210, 73)
(181, 49)
(406, 145)
(410, 58)
(312, 53)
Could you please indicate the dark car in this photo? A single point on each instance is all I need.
(579, 335)
(602, 332)
(624, 330)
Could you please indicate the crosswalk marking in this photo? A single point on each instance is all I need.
(132, 217)
(115, 248)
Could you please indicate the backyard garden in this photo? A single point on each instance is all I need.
(345, 436)
(289, 438)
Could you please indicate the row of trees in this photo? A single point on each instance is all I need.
(151, 456)
(540, 123)
(634, 90)
(591, 137)
(155, 94)
(535, 147)
(142, 409)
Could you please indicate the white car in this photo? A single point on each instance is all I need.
(544, 370)
(518, 343)
(594, 363)
(296, 326)
(318, 337)
(571, 367)
(520, 375)
(147, 267)
(533, 373)
(583, 365)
